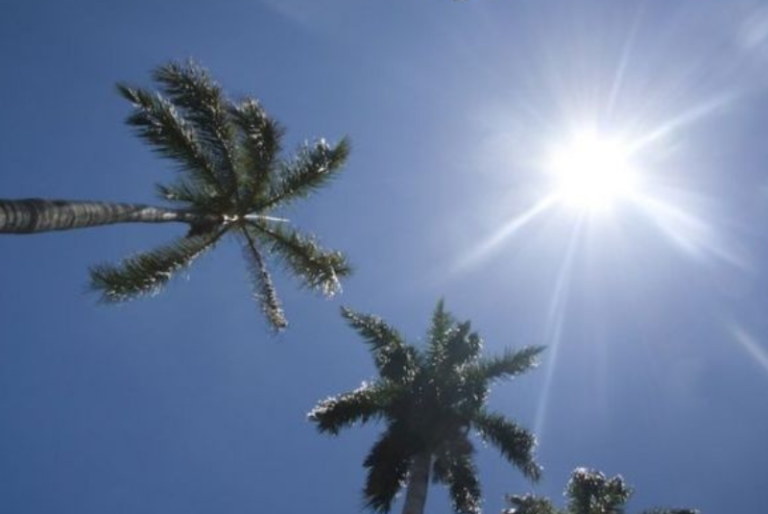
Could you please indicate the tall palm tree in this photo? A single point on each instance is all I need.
(588, 492)
(231, 179)
(430, 400)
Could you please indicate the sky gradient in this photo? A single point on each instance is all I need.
(654, 315)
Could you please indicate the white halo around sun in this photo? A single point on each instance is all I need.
(591, 172)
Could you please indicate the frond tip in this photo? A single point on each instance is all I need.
(515, 443)
(264, 289)
(148, 272)
(394, 359)
(317, 268)
(362, 404)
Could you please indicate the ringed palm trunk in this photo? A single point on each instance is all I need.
(418, 482)
(33, 215)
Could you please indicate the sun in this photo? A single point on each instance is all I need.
(591, 172)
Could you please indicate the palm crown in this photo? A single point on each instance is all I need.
(231, 178)
(430, 400)
(588, 492)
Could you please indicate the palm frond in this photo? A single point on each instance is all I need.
(591, 491)
(148, 272)
(264, 290)
(529, 504)
(369, 401)
(260, 146)
(192, 194)
(515, 443)
(394, 359)
(464, 486)
(462, 345)
(455, 443)
(439, 332)
(158, 122)
(314, 166)
(388, 463)
(454, 466)
(508, 365)
(203, 105)
(317, 268)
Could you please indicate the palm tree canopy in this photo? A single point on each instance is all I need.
(231, 178)
(430, 400)
(588, 492)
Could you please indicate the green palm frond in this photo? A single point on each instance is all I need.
(451, 344)
(191, 194)
(439, 332)
(529, 504)
(515, 443)
(454, 443)
(464, 486)
(203, 105)
(590, 491)
(158, 122)
(369, 401)
(260, 146)
(388, 463)
(394, 359)
(454, 465)
(508, 365)
(462, 345)
(265, 292)
(317, 268)
(148, 272)
(314, 166)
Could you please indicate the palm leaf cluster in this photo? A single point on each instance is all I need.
(231, 179)
(431, 400)
(588, 492)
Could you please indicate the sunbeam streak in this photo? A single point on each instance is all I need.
(505, 232)
(555, 322)
(688, 232)
(676, 123)
(752, 347)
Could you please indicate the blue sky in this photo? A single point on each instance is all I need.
(657, 366)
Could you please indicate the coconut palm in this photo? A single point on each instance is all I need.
(588, 492)
(231, 179)
(430, 400)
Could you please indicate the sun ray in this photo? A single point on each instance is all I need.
(752, 347)
(555, 323)
(688, 232)
(505, 232)
(675, 123)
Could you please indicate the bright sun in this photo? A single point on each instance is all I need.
(591, 172)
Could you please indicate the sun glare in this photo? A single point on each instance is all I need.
(591, 172)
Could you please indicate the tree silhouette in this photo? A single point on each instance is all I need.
(588, 492)
(231, 179)
(430, 400)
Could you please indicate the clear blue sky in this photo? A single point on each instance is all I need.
(654, 314)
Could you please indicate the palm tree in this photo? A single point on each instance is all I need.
(430, 400)
(588, 492)
(231, 180)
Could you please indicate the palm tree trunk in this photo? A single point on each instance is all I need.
(37, 215)
(418, 482)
